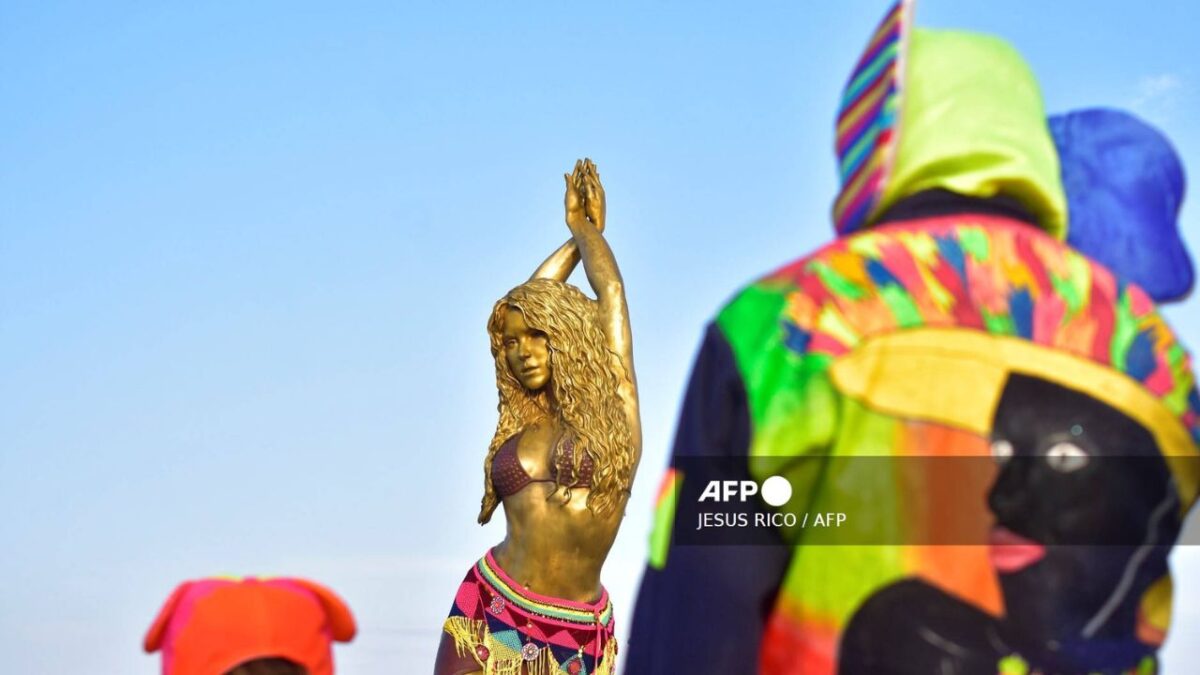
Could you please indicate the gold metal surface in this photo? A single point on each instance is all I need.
(564, 368)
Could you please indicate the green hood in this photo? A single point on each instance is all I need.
(929, 109)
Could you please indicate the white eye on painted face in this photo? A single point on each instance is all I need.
(1002, 450)
(1066, 457)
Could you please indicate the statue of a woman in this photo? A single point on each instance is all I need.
(561, 462)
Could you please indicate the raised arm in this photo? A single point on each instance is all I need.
(560, 264)
(585, 207)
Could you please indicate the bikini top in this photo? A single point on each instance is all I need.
(509, 477)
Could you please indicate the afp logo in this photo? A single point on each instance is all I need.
(775, 491)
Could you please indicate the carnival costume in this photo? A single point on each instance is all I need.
(949, 278)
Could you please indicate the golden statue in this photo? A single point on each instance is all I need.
(561, 462)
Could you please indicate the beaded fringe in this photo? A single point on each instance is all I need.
(468, 634)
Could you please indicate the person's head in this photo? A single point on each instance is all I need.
(269, 667)
(942, 109)
(552, 360)
(251, 626)
(1086, 513)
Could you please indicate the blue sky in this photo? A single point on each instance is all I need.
(247, 253)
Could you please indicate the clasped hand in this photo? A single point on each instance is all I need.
(584, 200)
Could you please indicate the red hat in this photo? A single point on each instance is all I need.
(211, 626)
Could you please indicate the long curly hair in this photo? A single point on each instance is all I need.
(585, 376)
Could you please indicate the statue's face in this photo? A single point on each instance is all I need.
(526, 350)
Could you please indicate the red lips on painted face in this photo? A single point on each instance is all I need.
(1010, 553)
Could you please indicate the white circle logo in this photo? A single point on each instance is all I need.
(776, 491)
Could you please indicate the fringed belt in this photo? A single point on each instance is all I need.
(510, 630)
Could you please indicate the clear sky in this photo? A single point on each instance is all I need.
(247, 251)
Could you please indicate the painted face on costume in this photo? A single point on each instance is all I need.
(526, 351)
(1085, 514)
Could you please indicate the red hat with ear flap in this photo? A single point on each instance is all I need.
(211, 626)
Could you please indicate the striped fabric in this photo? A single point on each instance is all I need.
(506, 629)
(551, 608)
(867, 121)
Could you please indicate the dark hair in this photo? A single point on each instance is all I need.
(269, 667)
